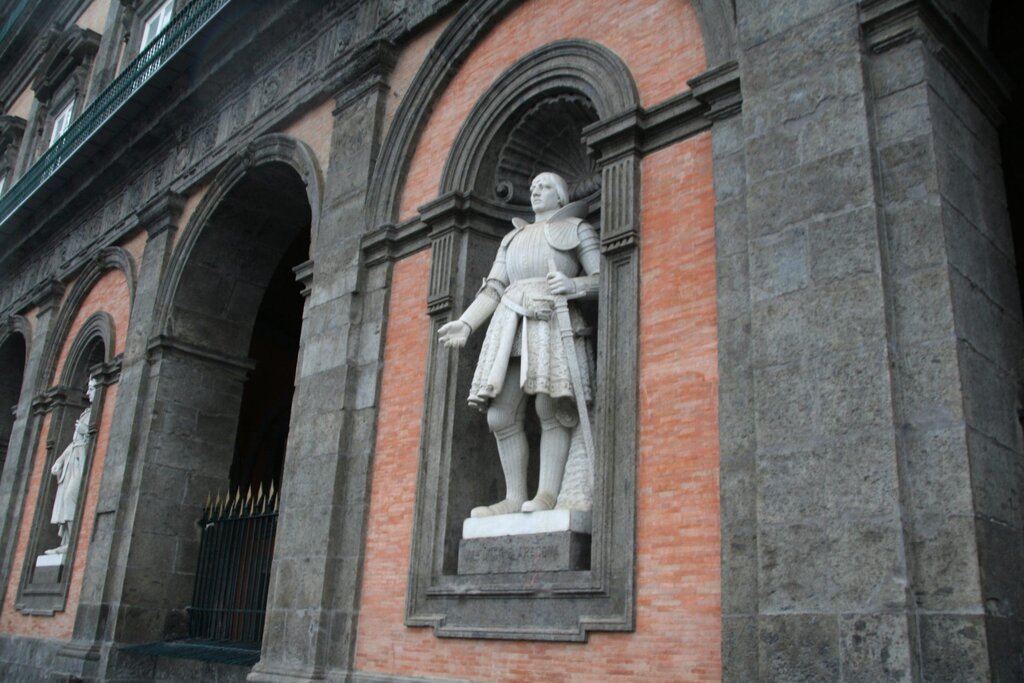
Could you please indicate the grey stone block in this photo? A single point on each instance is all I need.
(945, 564)
(908, 169)
(809, 190)
(800, 648)
(953, 649)
(929, 377)
(739, 649)
(843, 246)
(851, 391)
(898, 70)
(868, 566)
(779, 264)
(558, 551)
(861, 477)
(875, 648)
(937, 476)
(913, 234)
(739, 568)
(791, 487)
(795, 568)
(996, 476)
(990, 398)
(782, 402)
(923, 308)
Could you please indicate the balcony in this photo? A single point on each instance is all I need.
(123, 100)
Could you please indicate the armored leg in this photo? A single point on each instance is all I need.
(505, 420)
(554, 449)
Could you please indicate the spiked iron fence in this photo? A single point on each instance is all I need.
(229, 600)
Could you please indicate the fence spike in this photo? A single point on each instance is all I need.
(271, 493)
(259, 493)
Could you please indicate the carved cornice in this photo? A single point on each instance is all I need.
(163, 344)
(46, 295)
(394, 242)
(362, 69)
(161, 213)
(12, 128)
(713, 96)
(68, 52)
(49, 399)
(886, 24)
(109, 372)
(304, 276)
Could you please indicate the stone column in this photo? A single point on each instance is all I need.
(957, 333)
(312, 605)
(103, 582)
(25, 430)
(815, 575)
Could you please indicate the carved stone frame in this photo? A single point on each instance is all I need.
(64, 407)
(464, 231)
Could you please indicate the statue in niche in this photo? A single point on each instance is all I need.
(537, 345)
(69, 469)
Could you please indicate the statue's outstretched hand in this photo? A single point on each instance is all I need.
(454, 334)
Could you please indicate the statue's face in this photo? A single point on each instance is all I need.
(543, 196)
(90, 391)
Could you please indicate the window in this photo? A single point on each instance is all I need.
(156, 22)
(61, 122)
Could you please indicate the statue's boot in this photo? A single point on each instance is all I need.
(513, 452)
(554, 450)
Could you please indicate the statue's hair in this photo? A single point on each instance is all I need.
(561, 187)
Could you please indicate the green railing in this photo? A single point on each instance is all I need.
(182, 28)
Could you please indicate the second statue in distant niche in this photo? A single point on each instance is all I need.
(537, 344)
(69, 469)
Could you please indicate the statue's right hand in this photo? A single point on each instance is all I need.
(454, 334)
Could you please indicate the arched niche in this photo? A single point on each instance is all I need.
(532, 118)
(46, 577)
(229, 295)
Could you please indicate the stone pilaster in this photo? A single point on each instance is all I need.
(313, 602)
(96, 620)
(25, 431)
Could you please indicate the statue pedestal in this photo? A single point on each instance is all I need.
(553, 540)
(48, 568)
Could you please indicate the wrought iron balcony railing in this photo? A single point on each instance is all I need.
(186, 24)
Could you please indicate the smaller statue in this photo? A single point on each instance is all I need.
(69, 469)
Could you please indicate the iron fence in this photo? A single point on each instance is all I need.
(229, 600)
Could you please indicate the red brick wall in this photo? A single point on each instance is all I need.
(659, 40)
(109, 294)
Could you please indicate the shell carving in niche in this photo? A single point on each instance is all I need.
(548, 137)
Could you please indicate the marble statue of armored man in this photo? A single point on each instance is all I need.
(524, 351)
(69, 468)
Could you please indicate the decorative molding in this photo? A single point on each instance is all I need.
(162, 344)
(46, 295)
(714, 95)
(304, 276)
(69, 51)
(48, 399)
(886, 24)
(350, 76)
(449, 216)
(389, 243)
(161, 213)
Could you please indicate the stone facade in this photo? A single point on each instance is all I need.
(809, 332)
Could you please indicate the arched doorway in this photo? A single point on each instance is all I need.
(12, 370)
(225, 364)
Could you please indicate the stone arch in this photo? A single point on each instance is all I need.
(109, 258)
(266, 150)
(96, 332)
(578, 73)
(469, 26)
(229, 308)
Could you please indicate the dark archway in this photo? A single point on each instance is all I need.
(225, 362)
(13, 353)
(1006, 17)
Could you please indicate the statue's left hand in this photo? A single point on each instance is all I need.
(560, 283)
